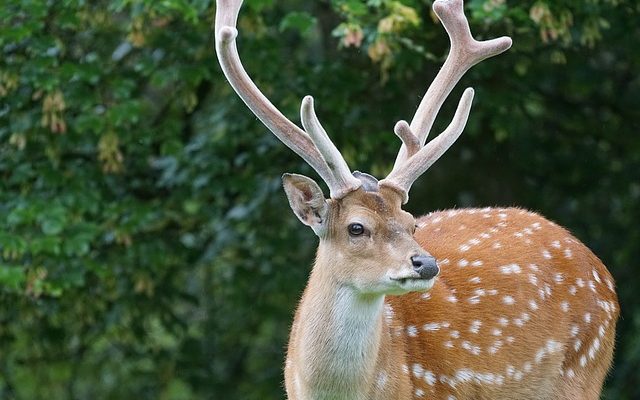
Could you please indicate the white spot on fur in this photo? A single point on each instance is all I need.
(610, 284)
(476, 263)
(546, 254)
(475, 279)
(412, 331)
(574, 330)
(508, 300)
(533, 305)
(382, 380)
(493, 349)
(510, 269)
(463, 263)
(541, 293)
(432, 326)
(553, 346)
(564, 306)
(601, 331)
(587, 318)
(510, 370)
(572, 290)
(475, 326)
(473, 349)
(417, 370)
(568, 253)
(429, 378)
(595, 346)
(540, 355)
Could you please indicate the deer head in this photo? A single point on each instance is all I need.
(366, 239)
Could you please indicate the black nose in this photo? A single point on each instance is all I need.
(426, 266)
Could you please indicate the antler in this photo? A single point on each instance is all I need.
(315, 147)
(465, 53)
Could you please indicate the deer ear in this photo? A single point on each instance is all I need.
(307, 201)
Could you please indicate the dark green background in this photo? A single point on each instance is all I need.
(147, 248)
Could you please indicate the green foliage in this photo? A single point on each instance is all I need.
(147, 250)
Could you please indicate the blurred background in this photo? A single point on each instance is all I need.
(147, 248)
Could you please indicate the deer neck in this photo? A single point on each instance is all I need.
(340, 341)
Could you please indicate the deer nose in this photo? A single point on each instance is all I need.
(426, 266)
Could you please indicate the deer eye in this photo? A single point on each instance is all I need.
(356, 229)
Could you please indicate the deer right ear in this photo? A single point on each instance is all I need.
(307, 201)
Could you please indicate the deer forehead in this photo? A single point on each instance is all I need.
(374, 209)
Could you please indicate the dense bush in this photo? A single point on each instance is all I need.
(147, 248)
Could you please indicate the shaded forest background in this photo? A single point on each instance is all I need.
(147, 249)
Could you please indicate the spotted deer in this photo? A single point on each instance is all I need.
(490, 303)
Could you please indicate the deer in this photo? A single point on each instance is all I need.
(478, 303)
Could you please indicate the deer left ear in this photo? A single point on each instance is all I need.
(307, 201)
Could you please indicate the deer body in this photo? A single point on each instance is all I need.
(477, 304)
(521, 310)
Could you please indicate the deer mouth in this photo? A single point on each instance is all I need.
(414, 283)
(402, 281)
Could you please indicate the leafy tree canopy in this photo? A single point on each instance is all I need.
(147, 250)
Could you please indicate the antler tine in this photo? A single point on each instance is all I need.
(465, 52)
(339, 181)
(409, 139)
(402, 179)
(335, 161)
